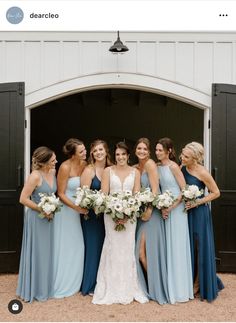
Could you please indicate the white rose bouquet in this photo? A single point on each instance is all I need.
(164, 200)
(122, 206)
(99, 202)
(145, 196)
(191, 193)
(49, 204)
(84, 197)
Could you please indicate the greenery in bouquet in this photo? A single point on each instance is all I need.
(84, 197)
(164, 200)
(49, 205)
(191, 193)
(122, 206)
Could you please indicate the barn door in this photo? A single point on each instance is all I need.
(11, 173)
(224, 170)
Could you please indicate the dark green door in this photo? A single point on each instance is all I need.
(224, 170)
(11, 173)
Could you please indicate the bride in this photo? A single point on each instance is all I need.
(117, 280)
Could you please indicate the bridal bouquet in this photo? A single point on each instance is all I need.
(164, 200)
(122, 206)
(191, 193)
(84, 197)
(49, 204)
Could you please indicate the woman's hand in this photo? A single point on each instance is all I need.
(121, 221)
(81, 210)
(147, 214)
(165, 213)
(191, 204)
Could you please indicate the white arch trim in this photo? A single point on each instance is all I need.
(120, 80)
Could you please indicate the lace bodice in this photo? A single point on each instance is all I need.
(116, 185)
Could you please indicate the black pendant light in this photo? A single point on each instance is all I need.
(118, 46)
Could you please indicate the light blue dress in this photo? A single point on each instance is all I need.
(154, 282)
(179, 270)
(36, 267)
(68, 257)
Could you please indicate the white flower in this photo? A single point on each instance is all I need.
(164, 200)
(49, 204)
(122, 205)
(191, 192)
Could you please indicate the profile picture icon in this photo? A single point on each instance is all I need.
(15, 306)
(14, 15)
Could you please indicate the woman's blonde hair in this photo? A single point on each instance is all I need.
(93, 145)
(41, 157)
(197, 151)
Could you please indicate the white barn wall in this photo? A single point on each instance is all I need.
(179, 65)
(41, 59)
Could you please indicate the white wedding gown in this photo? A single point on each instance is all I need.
(117, 280)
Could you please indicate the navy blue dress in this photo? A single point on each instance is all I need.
(201, 236)
(94, 233)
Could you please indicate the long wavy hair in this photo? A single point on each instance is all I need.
(168, 146)
(93, 145)
(145, 141)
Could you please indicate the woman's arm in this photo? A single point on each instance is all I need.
(87, 176)
(175, 169)
(151, 169)
(211, 185)
(105, 183)
(137, 179)
(62, 180)
(32, 182)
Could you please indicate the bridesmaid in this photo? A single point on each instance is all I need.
(179, 270)
(68, 257)
(205, 279)
(93, 227)
(150, 245)
(35, 273)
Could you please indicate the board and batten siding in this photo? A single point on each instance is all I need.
(41, 59)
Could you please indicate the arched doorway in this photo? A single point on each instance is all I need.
(115, 114)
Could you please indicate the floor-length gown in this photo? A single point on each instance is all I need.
(68, 257)
(202, 245)
(179, 269)
(94, 233)
(117, 280)
(154, 281)
(36, 267)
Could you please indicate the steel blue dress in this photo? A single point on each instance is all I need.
(179, 269)
(94, 234)
(201, 237)
(154, 282)
(36, 267)
(68, 257)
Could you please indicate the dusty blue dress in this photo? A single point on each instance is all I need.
(202, 245)
(154, 282)
(68, 257)
(36, 267)
(179, 269)
(94, 234)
